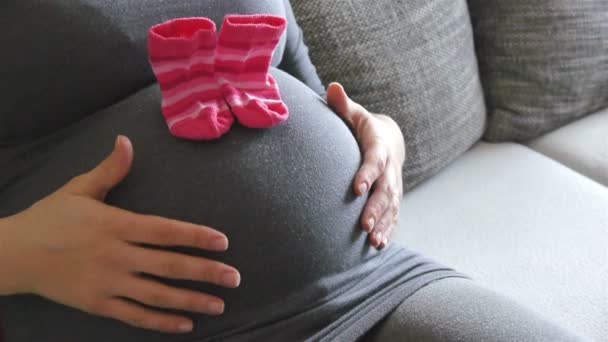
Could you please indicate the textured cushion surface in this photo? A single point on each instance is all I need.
(581, 145)
(413, 60)
(522, 224)
(543, 63)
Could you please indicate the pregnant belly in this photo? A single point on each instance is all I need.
(282, 196)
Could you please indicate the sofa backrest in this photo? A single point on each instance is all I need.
(413, 60)
(543, 63)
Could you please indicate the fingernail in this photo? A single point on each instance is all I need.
(216, 307)
(371, 222)
(385, 241)
(219, 243)
(363, 188)
(118, 137)
(378, 236)
(185, 327)
(231, 279)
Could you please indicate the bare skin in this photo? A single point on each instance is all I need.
(72, 237)
(383, 149)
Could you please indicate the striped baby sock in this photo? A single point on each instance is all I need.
(182, 57)
(242, 64)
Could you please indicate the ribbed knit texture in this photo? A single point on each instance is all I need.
(244, 54)
(182, 56)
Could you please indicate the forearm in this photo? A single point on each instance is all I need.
(296, 60)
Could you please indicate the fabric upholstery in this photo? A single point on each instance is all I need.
(543, 63)
(521, 224)
(581, 145)
(412, 60)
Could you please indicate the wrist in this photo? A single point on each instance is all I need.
(397, 140)
(11, 273)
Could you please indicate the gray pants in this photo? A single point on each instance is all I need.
(457, 309)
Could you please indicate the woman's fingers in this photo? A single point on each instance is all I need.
(180, 266)
(380, 233)
(382, 209)
(158, 295)
(365, 127)
(374, 210)
(159, 231)
(110, 172)
(389, 232)
(339, 101)
(140, 317)
(374, 165)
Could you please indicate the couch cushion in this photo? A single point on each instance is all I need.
(65, 59)
(522, 224)
(543, 63)
(411, 59)
(582, 146)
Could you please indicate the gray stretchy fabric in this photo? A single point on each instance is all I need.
(283, 197)
(71, 58)
(455, 310)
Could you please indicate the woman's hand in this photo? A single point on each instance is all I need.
(72, 248)
(383, 149)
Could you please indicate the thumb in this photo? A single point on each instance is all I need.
(109, 173)
(338, 100)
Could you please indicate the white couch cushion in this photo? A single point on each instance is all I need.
(521, 224)
(582, 145)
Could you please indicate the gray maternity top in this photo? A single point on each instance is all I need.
(76, 75)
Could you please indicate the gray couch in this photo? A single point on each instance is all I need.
(529, 218)
(530, 221)
(523, 210)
